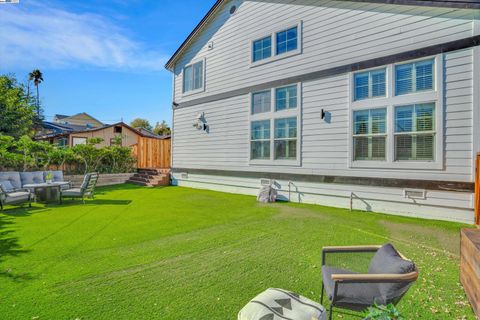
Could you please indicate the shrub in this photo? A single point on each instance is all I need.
(378, 312)
(27, 155)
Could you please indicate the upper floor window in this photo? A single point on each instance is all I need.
(287, 40)
(193, 77)
(369, 84)
(414, 77)
(281, 43)
(262, 49)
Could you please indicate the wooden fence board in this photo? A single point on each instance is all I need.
(152, 153)
(477, 190)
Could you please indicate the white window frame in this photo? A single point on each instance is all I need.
(414, 77)
(370, 83)
(271, 116)
(202, 89)
(368, 135)
(390, 101)
(273, 35)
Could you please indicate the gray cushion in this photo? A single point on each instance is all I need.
(387, 260)
(34, 177)
(86, 180)
(15, 197)
(13, 177)
(6, 186)
(74, 192)
(57, 176)
(354, 296)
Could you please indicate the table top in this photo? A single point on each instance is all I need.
(45, 185)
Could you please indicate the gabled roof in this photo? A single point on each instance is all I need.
(61, 116)
(460, 4)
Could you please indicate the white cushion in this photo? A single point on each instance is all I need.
(278, 304)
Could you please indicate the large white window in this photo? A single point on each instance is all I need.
(369, 134)
(274, 127)
(193, 77)
(396, 116)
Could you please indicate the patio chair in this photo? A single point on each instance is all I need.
(87, 188)
(10, 195)
(389, 277)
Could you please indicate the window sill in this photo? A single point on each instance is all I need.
(189, 93)
(290, 163)
(275, 58)
(401, 165)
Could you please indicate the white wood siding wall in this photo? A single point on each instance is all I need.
(324, 145)
(334, 33)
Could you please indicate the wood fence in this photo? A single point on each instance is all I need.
(152, 153)
(477, 190)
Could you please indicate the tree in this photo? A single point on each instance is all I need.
(37, 77)
(17, 110)
(162, 129)
(141, 123)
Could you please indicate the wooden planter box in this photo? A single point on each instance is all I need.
(470, 266)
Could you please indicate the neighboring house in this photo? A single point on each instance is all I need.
(108, 133)
(372, 105)
(80, 119)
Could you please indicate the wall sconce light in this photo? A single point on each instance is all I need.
(175, 104)
(201, 123)
(323, 114)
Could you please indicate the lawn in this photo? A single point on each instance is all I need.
(178, 253)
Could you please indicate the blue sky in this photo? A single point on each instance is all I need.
(102, 57)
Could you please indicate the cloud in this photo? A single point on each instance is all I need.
(39, 35)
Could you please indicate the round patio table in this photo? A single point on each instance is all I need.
(46, 192)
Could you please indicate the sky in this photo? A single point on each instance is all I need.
(103, 57)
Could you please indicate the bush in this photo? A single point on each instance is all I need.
(28, 155)
(378, 312)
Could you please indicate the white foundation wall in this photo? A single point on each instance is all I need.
(439, 205)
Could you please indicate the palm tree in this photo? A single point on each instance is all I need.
(37, 77)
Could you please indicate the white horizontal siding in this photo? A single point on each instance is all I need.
(451, 206)
(324, 145)
(334, 33)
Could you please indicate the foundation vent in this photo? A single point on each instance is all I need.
(415, 194)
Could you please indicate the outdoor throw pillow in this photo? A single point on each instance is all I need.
(387, 260)
(6, 186)
(278, 304)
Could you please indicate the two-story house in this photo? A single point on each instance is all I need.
(372, 105)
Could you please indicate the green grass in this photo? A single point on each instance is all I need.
(178, 253)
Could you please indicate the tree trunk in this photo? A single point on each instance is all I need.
(38, 102)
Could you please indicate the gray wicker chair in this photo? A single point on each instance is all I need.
(87, 189)
(389, 277)
(15, 196)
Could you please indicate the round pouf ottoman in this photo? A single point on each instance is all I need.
(279, 304)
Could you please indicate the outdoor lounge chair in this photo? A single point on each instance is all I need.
(389, 277)
(87, 188)
(10, 195)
